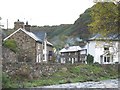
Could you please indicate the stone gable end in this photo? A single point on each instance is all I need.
(26, 46)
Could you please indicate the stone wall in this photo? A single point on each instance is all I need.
(8, 55)
(26, 46)
(32, 70)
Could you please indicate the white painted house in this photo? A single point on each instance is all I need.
(104, 50)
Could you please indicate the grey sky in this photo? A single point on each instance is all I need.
(42, 12)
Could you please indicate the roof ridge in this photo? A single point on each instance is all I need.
(12, 34)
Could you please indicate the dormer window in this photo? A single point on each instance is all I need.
(106, 47)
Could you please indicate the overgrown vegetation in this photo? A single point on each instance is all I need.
(90, 59)
(105, 18)
(68, 74)
(11, 44)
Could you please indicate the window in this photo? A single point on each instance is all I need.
(106, 48)
(38, 58)
(108, 59)
(104, 59)
(50, 53)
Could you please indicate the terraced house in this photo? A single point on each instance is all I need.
(105, 50)
(73, 54)
(32, 47)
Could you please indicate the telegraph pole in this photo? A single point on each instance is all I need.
(7, 24)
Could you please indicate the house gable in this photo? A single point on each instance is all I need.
(26, 45)
(26, 32)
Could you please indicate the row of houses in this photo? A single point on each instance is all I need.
(104, 50)
(73, 54)
(35, 47)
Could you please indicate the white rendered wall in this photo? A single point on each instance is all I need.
(96, 49)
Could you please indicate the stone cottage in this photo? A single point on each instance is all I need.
(31, 47)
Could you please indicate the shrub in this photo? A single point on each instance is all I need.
(116, 62)
(96, 63)
(11, 44)
(90, 59)
(6, 80)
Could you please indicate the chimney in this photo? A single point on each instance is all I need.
(18, 24)
(66, 46)
(27, 27)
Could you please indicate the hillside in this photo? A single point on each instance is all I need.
(68, 33)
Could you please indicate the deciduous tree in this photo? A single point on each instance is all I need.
(105, 18)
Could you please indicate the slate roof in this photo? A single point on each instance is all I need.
(71, 49)
(108, 37)
(37, 36)
(41, 35)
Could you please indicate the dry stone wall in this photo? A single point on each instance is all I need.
(32, 70)
(8, 55)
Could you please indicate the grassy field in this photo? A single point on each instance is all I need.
(78, 73)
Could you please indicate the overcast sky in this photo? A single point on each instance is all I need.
(42, 12)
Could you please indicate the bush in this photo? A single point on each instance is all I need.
(90, 59)
(116, 62)
(11, 44)
(6, 80)
(96, 63)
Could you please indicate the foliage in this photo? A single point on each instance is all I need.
(105, 17)
(7, 81)
(11, 44)
(90, 59)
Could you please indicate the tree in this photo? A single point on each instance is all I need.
(105, 18)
